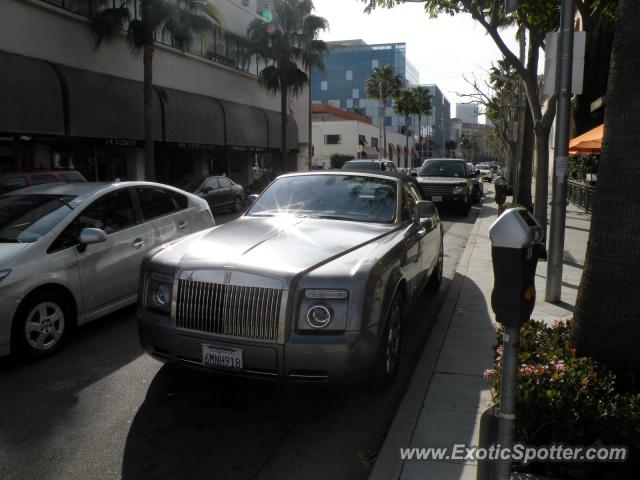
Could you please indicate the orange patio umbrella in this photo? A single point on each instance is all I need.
(589, 142)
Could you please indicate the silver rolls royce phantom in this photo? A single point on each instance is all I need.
(310, 284)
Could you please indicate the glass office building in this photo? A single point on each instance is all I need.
(347, 67)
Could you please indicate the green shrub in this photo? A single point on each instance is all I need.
(338, 159)
(563, 398)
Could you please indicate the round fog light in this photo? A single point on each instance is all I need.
(161, 295)
(318, 316)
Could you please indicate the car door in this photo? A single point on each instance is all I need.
(212, 189)
(109, 270)
(413, 238)
(431, 239)
(226, 191)
(163, 216)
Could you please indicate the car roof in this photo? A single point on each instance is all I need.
(447, 159)
(368, 160)
(80, 189)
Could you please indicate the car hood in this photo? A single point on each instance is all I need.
(10, 250)
(281, 244)
(443, 180)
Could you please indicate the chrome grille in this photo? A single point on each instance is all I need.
(237, 311)
(429, 190)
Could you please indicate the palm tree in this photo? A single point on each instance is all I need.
(288, 40)
(405, 104)
(606, 314)
(181, 19)
(423, 107)
(382, 85)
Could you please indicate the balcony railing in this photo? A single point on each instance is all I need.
(581, 195)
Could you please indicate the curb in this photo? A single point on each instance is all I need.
(388, 465)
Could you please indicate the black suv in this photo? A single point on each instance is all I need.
(445, 181)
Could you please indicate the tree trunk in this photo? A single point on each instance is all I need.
(525, 169)
(542, 176)
(606, 314)
(283, 137)
(420, 138)
(147, 61)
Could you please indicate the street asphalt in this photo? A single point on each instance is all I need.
(102, 409)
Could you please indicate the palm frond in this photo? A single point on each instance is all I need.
(108, 22)
(269, 78)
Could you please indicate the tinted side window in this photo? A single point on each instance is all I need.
(155, 202)
(212, 183)
(14, 182)
(181, 200)
(72, 177)
(111, 213)
(225, 182)
(40, 179)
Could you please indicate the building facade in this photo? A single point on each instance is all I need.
(467, 112)
(436, 126)
(67, 104)
(347, 67)
(341, 132)
(479, 148)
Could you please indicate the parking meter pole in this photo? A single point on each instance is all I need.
(559, 197)
(515, 240)
(507, 415)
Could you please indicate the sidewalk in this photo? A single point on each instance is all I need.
(448, 392)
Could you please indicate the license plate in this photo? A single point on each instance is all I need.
(222, 357)
(436, 199)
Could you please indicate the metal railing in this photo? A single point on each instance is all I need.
(581, 195)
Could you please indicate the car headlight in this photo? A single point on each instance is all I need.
(458, 189)
(4, 274)
(318, 316)
(159, 290)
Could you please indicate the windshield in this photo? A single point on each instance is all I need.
(482, 166)
(330, 196)
(26, 218)
(361, 166)
(443, 168)
(189, 184)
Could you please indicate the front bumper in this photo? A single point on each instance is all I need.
(8, 307)
(449, 199)
(341, 357)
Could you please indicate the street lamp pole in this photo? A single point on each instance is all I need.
(564, 72)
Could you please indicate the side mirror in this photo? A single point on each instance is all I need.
(424, 209)
(89, 236)
(206, 190)
(413, 174)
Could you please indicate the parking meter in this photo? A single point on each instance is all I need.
(500, 186)
(515, 239)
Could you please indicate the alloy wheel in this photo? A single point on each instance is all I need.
(44, 326)
(393, 339)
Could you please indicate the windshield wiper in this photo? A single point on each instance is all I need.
(65, 203)
(9, 240)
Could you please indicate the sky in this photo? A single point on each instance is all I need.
(442, 49)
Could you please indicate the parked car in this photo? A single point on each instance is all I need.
(71, 253)
(16, 180)
(445, 181)
(310, 284)
(486, 172)
(219, 192)
(379, 165)
(478, 188)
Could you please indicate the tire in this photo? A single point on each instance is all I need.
(41, 325)
(463, 209)
(388, 356)
(237, 204)
(436, 276)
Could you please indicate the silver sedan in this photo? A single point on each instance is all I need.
(71, 253)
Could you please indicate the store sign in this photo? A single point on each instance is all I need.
(195, 146)
(120, 142)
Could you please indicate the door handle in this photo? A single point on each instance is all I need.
(182, 225)
(138, 243)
